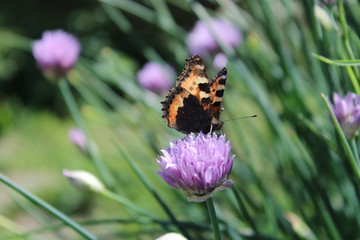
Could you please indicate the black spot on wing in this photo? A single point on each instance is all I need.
(192, 117)
(206, 100)
(205, 87)
(219, 93)
(216, 104)
(222, 81)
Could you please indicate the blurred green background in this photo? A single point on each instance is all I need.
(290, 169)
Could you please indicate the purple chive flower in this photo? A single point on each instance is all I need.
(347, 112)
(156, 77)
(203, 37)
(197, 165)
(78, 138)
(56, 52)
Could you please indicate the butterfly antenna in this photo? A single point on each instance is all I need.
(252, 116)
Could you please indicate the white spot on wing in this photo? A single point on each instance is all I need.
(204, 95)
(203, 80)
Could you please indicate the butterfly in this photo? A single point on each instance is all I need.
(194, 104)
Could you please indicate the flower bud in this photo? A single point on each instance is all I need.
(172, 236)
(84, 180)
(323, 17)
(78, 138)
(347, 112)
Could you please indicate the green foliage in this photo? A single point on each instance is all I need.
(295, 177)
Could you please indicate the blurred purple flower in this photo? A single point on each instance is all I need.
(56, 52)
(347, 112)
(220, 61)
(202, 38)
(156, 77)
(78, 138)
(197, 165)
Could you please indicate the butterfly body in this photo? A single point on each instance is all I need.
(194, 104)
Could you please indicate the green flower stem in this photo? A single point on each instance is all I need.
(345, 29)
(346, 35)
(353, 163)
(213, 218)
(353, 79)
(338, 62)
(355, 151)
(244, 211)
(44, 205)
(94, 155)
(126, 203)
(329, 225)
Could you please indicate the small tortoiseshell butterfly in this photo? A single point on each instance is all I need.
(194, 104)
